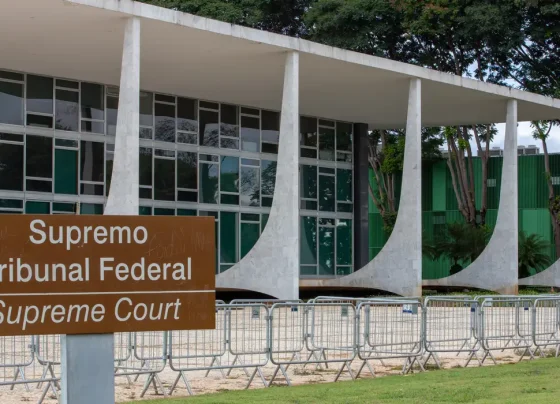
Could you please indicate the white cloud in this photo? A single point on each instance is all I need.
(525, 137)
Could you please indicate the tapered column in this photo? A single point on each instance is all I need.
(496, 268)
(398, 266)
(272, 265)
(87, 360)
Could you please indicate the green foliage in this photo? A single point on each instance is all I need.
(532, 254)
(389, 220)
(460, 243)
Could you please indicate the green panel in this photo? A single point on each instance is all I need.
(494, 171)
(326, 250)
(66, 171)
(264, 221)
(427, 202)
(64, 207)
(228, 237)
(344, 242)
(308, 240)
(186, 212)
(164, 212)
(145, 211)
(33, 207)
(91, 209)
(249, 236)
(438, 191)
(11, 203)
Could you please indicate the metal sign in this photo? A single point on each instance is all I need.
(103, 274)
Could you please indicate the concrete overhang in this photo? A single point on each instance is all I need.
(193, 56)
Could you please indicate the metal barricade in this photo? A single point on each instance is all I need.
(326, 332)
(239, 341)
(546, 324)
(17, 353)
(390, 330)
(506, 323)
(450, 326)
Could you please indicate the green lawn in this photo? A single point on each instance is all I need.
(531, 382)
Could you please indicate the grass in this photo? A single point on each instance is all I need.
(532, 382)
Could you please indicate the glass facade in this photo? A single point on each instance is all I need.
(196, 158)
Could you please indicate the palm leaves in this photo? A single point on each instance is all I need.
(532, 253)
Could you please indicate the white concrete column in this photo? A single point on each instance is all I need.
(87, 360)
(272, 265)
(398, 266)
(496, 268)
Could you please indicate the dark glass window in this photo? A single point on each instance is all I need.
(228, 237)
(67, 112)
(187, 176)
(250, 186)
(326, 193)
(66, 171)
(11, 167)
(38, 208)
(309, 182)
(11, 103)
(164, 212)
(92, 104)
(250, 233)
(209, 133)
(326, 250)
(187, 116)
(112, 109)
(270, 131)
(91, 161)
(229, 174)
(208, 183)
(229, 125)
(39, 94)
(308, 131)
(145, 210)
(38, 156)
(165, 122)
(344, 185)
(250, 134)
(326, 143)
(91, 209)
(146, 109)
(344, 242)
(344, 136)
(145, 166)
(164, 179)
(268, 177)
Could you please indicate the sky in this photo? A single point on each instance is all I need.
(525, 137)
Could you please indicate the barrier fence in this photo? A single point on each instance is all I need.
(336, 334)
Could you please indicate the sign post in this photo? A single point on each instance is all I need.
(83, 275)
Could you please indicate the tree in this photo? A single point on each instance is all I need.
(386, 158)
(532, 254)
(280, 16)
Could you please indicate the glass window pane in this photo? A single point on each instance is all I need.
(64, 207)
(40, 121)
(68, 84)
(91, 209)
(186, 212)
(326, 250)
(268, 175)
(270, 126)
(229, 174)
(326, 193)
(209, 133)
(164, 212)
(264, 221)
(11, 75)
(229, 199)
(11, 167)
(146, 109)
(145, 210)
(186, 170)
(92, 103)
(187, 114)
(165, 122)
(309, 181)
(146, 166)
(38, 156)
(67, 112)
(229, 116)
(91, 161)
(187, 196)
(344, 185)
(326, 144)
(66, 171)
(344, 136)
(109, 157)
(39, 208)
(11, 103)
(249, 236)
(228, 237)
(112, 108)
(39, 94)
(308, 240)
(344, 242)
(250, 134)
(308, 131)
(91, 189)
(164, 180)
(208, 175)
(208, 104)
(250, 186)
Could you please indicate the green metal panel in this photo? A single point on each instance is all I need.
(439, 184)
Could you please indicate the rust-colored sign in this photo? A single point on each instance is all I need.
(66, 274)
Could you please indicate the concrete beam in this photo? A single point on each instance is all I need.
(496, 268)
(272, 265)
(87, 360)
(398, 266)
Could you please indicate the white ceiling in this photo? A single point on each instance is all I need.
(59, 38)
